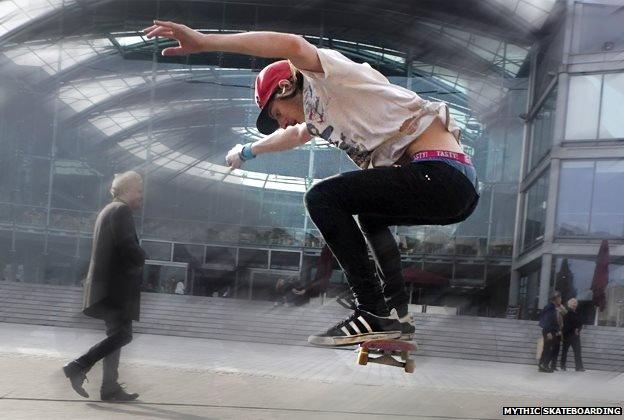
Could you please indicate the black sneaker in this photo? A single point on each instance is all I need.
(117, 393)
(359, 327)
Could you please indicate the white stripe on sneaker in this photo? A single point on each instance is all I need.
(363, 321)
(345, 331)
(355, 328)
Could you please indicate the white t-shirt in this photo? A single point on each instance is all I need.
(357, 109)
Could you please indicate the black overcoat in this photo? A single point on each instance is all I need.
(113, 282)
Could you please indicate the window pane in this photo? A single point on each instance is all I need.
(573, 277)
(284, 260)
(583, 107)
(608, 199)
(253, 258)
(190, 253)
(612, 105)
(542, 129)
(600, 28)
(535, 214)
(156, 250)
(574, 202)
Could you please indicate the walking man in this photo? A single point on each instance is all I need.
(112, 288)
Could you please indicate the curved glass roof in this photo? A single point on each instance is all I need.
(93, 94)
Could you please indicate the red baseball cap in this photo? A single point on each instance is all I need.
(266, 84)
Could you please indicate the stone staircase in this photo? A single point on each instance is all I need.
(459, 337)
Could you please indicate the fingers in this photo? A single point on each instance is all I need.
(171, 51)
(161, 31)
(167, 24)
(149, 29)
(233, 164)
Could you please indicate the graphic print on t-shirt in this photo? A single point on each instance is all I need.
(315, 120)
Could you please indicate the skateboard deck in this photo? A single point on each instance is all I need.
(390, 352)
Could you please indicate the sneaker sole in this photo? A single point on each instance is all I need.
(353, 339)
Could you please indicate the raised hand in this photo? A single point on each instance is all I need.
(189, 40)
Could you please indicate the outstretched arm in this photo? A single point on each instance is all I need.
(286, 139)
(261, 44)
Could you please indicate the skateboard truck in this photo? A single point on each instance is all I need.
(391, 352)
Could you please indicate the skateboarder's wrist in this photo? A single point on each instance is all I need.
(246, 153)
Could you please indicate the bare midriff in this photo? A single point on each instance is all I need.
(435, 137)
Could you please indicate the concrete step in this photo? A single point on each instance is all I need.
(460, 337)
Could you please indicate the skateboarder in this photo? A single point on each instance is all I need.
(413, 169)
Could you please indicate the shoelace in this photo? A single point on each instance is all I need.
(346, 321)
(346, 302)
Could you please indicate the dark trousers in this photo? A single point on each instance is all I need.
(574, 341)
(431, 192)
(556, 346)
(118, 334)
(549, 357)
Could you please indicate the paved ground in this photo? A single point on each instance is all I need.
(183, 378)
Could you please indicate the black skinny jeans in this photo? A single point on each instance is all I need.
(432, 192)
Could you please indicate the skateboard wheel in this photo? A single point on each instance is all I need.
(410, 366)
(363, 357)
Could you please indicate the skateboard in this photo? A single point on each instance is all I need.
(392, 352)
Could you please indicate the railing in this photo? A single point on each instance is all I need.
(24, 215)
(433, 242)
(37, 216)
(429, 241)
(80, 221)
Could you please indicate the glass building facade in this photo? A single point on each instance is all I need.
(572, 179)
(85, 95)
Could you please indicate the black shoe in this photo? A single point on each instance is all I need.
(408, 327)
(76, 375)
(359, 327)
(117, 393)
(544, 369)
(553, 369)
(563, 368)
(580, 370)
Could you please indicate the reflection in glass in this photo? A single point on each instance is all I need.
(608, 200)
(542, 128)
(590, 200)
(574, 201)
(535, 212)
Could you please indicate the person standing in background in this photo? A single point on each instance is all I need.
(572, 325)
(561, 311)
(550, 332)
